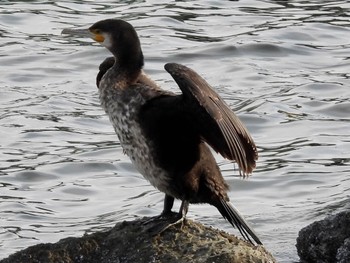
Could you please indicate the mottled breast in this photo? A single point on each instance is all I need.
(122, 107)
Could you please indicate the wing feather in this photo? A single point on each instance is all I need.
(218, 125)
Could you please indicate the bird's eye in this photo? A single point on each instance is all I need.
(97, 31)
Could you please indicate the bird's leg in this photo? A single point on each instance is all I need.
(168, 205)
(167, 213)
(183, 211)
(179, 217)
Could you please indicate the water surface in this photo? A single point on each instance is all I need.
(283, 66)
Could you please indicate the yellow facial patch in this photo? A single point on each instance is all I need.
(99, 38)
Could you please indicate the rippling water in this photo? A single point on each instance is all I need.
(282, 65)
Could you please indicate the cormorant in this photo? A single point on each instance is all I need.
(167, 135)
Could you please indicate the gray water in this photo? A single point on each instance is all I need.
(283, 66)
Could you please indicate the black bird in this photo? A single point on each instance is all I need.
(167, 135)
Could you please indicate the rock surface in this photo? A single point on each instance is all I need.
(326, 241)
(133, 242)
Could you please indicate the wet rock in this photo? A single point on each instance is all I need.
(133, 242)
(326, 241)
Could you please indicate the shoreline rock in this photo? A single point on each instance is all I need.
(132, 241)
(326, 241)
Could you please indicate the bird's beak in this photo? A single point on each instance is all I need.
(84, 33)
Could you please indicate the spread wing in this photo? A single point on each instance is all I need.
(216, 122)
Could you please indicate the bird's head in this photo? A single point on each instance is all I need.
(118, 36)
(114, 34)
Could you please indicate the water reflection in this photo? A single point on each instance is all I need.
(282, 65)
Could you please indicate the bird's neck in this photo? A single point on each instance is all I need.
(128, 66)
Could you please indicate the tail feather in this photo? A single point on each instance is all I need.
(236, 219)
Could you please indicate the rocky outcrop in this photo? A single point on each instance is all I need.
(134, 242)
(326, 241)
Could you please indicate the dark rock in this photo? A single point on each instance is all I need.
(343, 253)
(133, 242)
(326, 241)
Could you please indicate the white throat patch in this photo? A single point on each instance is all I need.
(107, 43)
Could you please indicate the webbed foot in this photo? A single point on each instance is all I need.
(168, 219)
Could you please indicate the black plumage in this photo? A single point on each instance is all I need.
(167, 136)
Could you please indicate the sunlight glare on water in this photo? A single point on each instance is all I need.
(283, 66)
